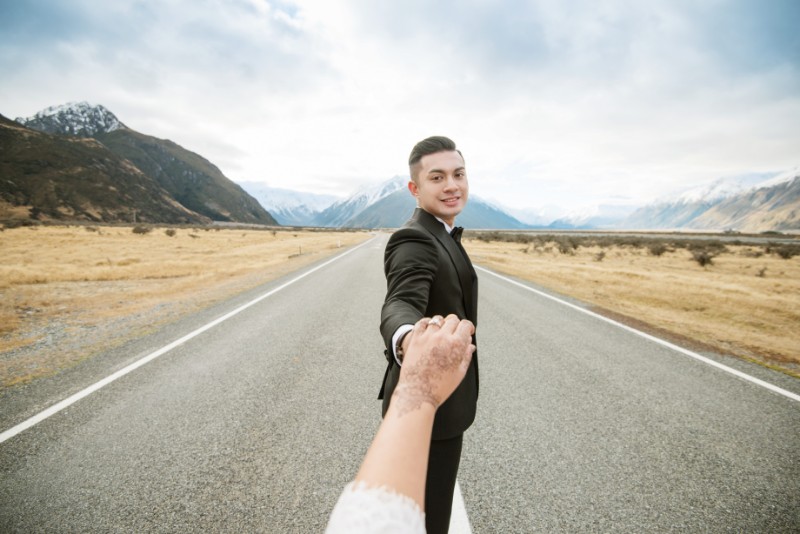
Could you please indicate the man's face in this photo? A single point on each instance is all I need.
(441, 186)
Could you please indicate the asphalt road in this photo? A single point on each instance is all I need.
(255, 424)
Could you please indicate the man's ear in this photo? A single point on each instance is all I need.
(413, 188)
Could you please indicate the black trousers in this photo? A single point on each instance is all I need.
(443, 463)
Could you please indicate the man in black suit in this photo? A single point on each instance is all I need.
(428, 273)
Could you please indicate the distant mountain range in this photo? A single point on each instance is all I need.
(80, 162)
(752, 203)
(602, 216)
(387, 204)
(749, 204)
(290, 208)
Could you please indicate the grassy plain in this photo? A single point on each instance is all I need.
(69, 292)
(745, 302)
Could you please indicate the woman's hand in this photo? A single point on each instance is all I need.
(438, 356)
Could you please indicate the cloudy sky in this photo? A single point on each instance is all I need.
(561, 102)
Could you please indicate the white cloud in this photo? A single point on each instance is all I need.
(552, 102)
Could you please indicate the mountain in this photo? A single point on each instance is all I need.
(191, 180)
(389, 205)
(340, 213)
(290, 208)
(775, 207)
(75, 118)
(44, 176)
(538, 217)
(602, 216)
(728, 204)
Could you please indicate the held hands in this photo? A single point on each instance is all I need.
(436, 359)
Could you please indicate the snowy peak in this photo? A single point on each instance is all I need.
(75, 118)
(726, 187)
(389, 205)
(596, 216)
(386, 188)
(291, 208)
(749, 203)
(782, 178)
(339, 213)
(373, 194)
(276, 198)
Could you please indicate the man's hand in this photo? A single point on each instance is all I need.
(437, 355)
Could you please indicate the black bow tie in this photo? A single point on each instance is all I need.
(456, 233)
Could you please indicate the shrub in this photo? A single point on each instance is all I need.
(703, 256)
(17, 223)
(751, 253)
(657, 249)
(139, 229)
(786, 252)
(170, 232)
(713, 247)
(600, 255)
(566, 245)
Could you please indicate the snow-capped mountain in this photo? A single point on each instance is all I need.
(781, 178)
(601, 216)
(775, 206)
(109, 171)
(341, 212)
(721, 188)
(538, 216)
(739, 203)
(290, 208)
(75, 118)
(389, 205)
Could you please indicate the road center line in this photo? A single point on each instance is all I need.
(459, 521)
(54, 409)
(654, 339)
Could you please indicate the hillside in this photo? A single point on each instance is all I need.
(769, 208)
(46, 176)
(187, 181)
(191, 179)
(771, 205)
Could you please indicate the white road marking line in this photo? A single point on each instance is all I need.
(41, 416)
(459, 521)
(654, 339)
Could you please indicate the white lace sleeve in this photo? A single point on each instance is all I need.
(362, 509)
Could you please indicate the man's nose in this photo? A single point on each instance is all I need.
(450, 183)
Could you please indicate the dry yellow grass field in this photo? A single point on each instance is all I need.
(69, 292)
(746, 303)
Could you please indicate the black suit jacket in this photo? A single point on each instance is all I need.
(427, 274)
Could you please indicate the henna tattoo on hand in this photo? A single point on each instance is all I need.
(420, 380)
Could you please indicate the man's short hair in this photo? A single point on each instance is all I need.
(431, 145)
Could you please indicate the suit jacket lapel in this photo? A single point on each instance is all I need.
(466, 273)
